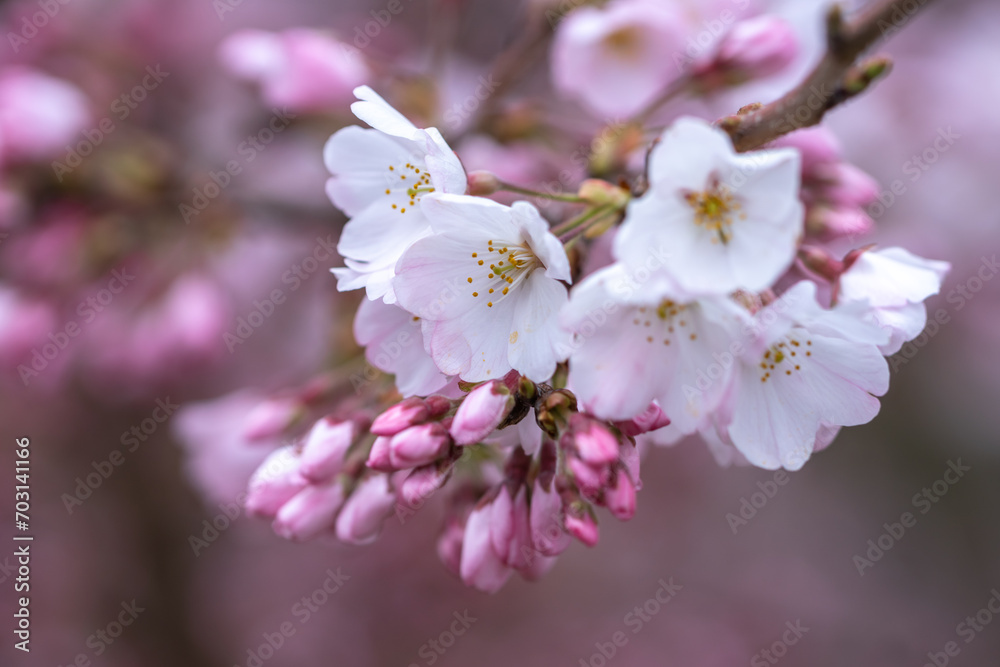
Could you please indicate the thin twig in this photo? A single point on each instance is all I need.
(837, 78)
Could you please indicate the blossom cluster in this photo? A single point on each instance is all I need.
(718, 313)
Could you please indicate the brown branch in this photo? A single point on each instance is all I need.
(838, 76)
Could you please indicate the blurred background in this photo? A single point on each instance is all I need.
(160, 179)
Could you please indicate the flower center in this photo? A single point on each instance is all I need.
(790, 350)
(672, 322)
(624, 43)
(501, 267)
(714, 209)
(406, 184)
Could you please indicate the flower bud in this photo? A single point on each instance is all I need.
(546, 517)
(310, 512)
(379, 457)
(324, 450)
(480, 567)
(595, 443)
(598, 192)
(582, 525)
(274, 482)
(827, 223)
(271, 418)
(422, 483)
(483, 183)
(401, 416)
(590, 479)
(482, 411)
(418, 445)
(449, 545)
(650, 419)
(821, 263)
(361, 518)
(754, 49)
(620, 498)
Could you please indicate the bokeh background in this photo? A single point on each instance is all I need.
(161, 339)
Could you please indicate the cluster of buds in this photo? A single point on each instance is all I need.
(835, 192)
(515, 509)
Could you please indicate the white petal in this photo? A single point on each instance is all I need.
(381, 115)
(536, 336)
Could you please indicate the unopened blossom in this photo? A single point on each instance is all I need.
(480, 565)
(276, 481)
(271, 417)
(361, 517)
(409, 412)
(836, 193)
(418, 445)
(755, 48)
(310, 512)
(482, 411)
(646, 344)
(306, 70)
(488, 284)
(807, 370)
(325, 447)
(894, 283)
(730, 220)
(394, 344)
(379, 177)
(619, 57)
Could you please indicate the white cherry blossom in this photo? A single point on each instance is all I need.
(731, 221)
(379, 177)
(487, 285)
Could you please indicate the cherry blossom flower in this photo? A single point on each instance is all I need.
(394, 344)
(806, 372)
(618, 58)
(647, 344)
(731, 221)
(894, 283)
(487, 285)
(379, 178)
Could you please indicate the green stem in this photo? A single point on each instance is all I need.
(588, 216)
(554, 196)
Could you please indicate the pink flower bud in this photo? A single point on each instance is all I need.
(621, 497)
(270, 418)
(361, 518)
(422, 483)
(401, 416)
(418, 445)
(274, 482)
(449, 545)
(480, 567)
(482, 183)
(310, 512)
(39, 114)
(849, 186)
(546, 517)
(828, 223)
(481, 412)
(510, 531)
(630, 459)
(595, 443)
(326, 445)
(817, 145)
(651, 419)
(590, 479)
(378, 457)
(756, 48)
(583, 527)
